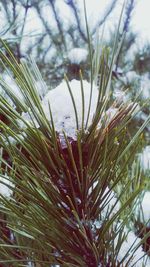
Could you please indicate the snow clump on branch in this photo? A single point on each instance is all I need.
(143, 209)
(5, 186)
(128, 248)
(77, 55)
(62, 107)
(60, 102)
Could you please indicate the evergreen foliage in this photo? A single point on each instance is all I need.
(72, 200)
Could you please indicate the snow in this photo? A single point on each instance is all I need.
(26, 117)
(120, 96)
(111, 113)
(60, 102)
(145, 158)
(41, 88)
(131, 241)
(5, 190)
(143, 209)
(132, 76)
(62, 106)
(12, 140)
(77, 55)
(111, 203)
(97, 224)
(143, 82)
(12, 85)
(146, 206)
(145, 86)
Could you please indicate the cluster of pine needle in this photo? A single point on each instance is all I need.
(60, 211)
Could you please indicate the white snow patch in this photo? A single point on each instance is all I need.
(120, 96)
(5, 190)
(143, 82)
(130, 241)
(41, 88)
(60, 102)
(77, 55)
(146, 206)
(145, 158)
(146, 261)
(143, 209)
(111, 113)
(26, 117)
(12, 85)
(97, 224)
(119, 70)
(13, 140)
(132, 76)
(112, 203)
(145, 86)
(62, 107)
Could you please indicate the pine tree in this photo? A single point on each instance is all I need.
(70, 178)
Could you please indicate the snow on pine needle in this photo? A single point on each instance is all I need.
(135, 257)
(145, 158)
(68, 162)
(146, 207)
(77, 55)
(62, 107)
(5, 186)
(143, 209)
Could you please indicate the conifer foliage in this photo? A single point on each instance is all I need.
(71, 197)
